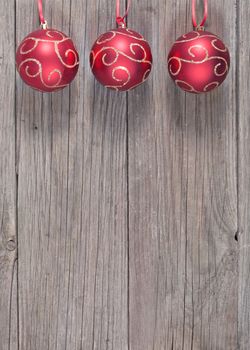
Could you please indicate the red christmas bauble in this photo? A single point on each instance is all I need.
(198, 62)
(121, 59)
(47, 60)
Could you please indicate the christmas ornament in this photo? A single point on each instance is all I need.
(121, 59)
(47, 59)
(198, 61)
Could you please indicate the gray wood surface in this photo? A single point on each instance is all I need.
(8, 239)
(183, 196)
(243, 129)
(72, 201)
(130, 212)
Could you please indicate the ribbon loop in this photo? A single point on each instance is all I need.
(40, 10)
(120, 20)
(195, 24)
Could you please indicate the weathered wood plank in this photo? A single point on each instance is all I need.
(182, 195)
(8, 296)
(72, 199)
(243, 78)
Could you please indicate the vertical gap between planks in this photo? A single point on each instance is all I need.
(67, 181)
(128, 207)
(128, 222)
(237, 98)
(16, 179)
(237, 101)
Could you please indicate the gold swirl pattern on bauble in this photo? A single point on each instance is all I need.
(121, 59)
(198, 62)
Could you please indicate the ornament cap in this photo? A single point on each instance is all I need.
(200, 28)
(44, 25)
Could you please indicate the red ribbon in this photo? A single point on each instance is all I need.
(194, 14)
(119, 19)
(40, 9)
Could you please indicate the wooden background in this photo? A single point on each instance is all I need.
(125, 218)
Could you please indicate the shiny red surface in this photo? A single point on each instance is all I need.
(121, 59)
(47, 60)
(198, 62)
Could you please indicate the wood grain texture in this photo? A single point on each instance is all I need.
(131, 211)
(72, 199)
(182, 195)
(243, 79)
(8, 244)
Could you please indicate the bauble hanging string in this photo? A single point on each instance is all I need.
(121, 59)
(198, 61)
(47, 59)
(194, 20)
